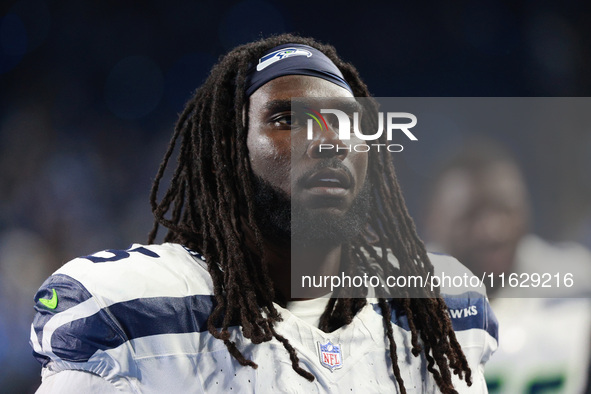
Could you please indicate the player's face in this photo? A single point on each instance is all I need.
(326, 181)
(480, 218)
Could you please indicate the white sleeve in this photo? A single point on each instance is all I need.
(75, 382)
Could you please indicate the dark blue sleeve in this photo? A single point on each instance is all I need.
(472, 310)
(77, 326)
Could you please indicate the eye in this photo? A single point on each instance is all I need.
(285, 120)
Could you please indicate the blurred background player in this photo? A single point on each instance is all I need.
(479, 211)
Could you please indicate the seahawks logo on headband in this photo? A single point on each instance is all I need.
(273, 57)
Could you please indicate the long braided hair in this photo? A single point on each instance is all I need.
(210, 197)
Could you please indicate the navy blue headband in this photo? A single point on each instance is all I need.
(293, 59)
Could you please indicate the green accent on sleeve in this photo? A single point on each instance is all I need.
(50, 303)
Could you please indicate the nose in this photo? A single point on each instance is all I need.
(326, 144)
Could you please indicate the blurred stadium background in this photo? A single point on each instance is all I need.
(90, 91)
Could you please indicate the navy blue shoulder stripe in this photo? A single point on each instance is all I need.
(472, 311)
(114, 325)
(163, 315)
(468, 311)
(78, 340)
(68, 293)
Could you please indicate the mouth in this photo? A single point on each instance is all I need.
(331, 181)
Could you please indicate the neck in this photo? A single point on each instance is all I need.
(287, 262)
(314, 261)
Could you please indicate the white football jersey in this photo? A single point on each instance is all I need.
(136, 321)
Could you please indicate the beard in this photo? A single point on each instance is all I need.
(281, 219)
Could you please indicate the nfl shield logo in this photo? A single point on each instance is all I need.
(330, 356)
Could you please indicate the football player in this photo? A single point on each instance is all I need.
(210, 310)
(480, 213)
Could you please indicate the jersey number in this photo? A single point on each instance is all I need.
(121, 254)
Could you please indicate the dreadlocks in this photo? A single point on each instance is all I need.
(210, 198)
